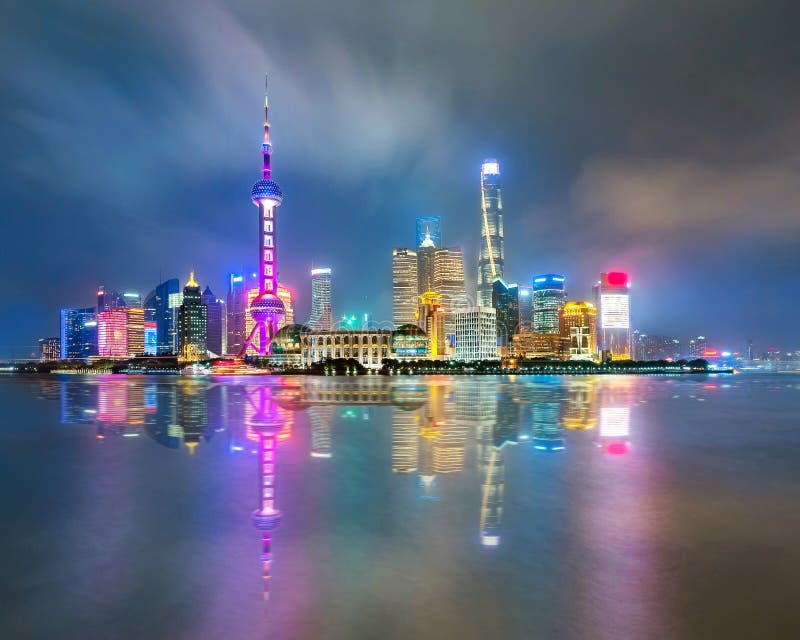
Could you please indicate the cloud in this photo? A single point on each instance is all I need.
(651, 198)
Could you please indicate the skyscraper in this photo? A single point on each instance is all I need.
(112, 333)
(448, 278)
(577, 323)
(192, 323)
(525, 309)
(135, 330)
(431, 317)
(78, 333)
(430, 226)
(216, 332)
(405, 286)
(157, 309)
(476, 334)
(612, 300)
(548, 298)
(426, 256)
(321, 300)
(236, 305)
(505, 300)
(108, 299)
(491, 259)
(266, 310)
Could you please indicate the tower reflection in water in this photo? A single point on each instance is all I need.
(435, 425)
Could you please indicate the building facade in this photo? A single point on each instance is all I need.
(370, 348)
(550, 346)
(78, 333)
(431, 318)
(505, 300)
(476, 334)
(404, 286)
(426, 256)
(525, 295)
(577, 322)
(491, 258)
(652, 347)
(321, 300)
(49, 349)
(217, 330)
(192, 323)
(112, 334)
(157, 309)
(448, 278)
(548, 298)
(612, 299)
(135, 322)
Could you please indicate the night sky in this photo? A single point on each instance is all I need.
(660, 138)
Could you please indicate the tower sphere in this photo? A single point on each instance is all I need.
(266, 521)
(266, 190)
(267, 308)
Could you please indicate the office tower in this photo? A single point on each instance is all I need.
(157, 309)
(491, 257)
(78, 333)
(577, 322)
(430, 226)
(448, 278)
(135, 330)
(192, 323)
(476, 334)
(525, 296)
(266, 310)
(287, 297)
(112, 333)
(216, 331)
(108, 299)
(49, 349)
(150, 338)
(236, 309)
(426, 256)
(431, 317)
(548, 298)
(131, 299)
(404, 286)
(698, 346)
(321, 300)
(505, 300)
(612, 300)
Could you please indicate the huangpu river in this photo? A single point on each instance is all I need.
(305, 508)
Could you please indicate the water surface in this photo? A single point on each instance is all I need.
(438, 507)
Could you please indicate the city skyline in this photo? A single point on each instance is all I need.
(571, 212)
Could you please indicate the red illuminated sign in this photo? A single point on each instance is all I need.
(617, 278)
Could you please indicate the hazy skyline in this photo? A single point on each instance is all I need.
(656, 138)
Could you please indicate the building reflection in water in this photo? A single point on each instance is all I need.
(433, 425)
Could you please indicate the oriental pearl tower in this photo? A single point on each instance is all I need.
(267, 309)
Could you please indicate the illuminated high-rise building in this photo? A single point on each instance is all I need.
(577, 323)
(266, 310)
(426, 257)
(216, 331)
(287, 297)
(698, 346)
(430, 226)
(476, 334)
(548, 298)
(135, 332)
(649, 347)
(108, 299)
(157, 309)
(525, 296)
(236, 311)
(448, 278)
(491, 259)
(431, 318)
(192, 323)
(78, 333)
(505, 300)
(321, 318)
(150, 338)
(112, 334)
(612, 300)
(405, 285)
(49, 349)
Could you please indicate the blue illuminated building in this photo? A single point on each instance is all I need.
(78, 333)
(429, 225)
(548, 298)
(157, 309)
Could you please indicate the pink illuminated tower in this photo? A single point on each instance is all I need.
(267, 309)
(262, 417)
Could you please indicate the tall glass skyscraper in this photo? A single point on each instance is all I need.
(405, 286)
(216, 331)
(432, 226)
(525, 309)
(157, 309)
(548, 298)
(505, 300)
(192, 323)
(613, 303)
(491, 258)
(321, 300)
(78, 333)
